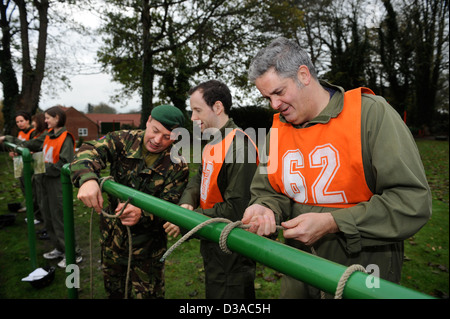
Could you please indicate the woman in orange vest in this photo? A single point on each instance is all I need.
(30, 128)
(35, 145)
(40, 127)
(23, 122)
(59, 149)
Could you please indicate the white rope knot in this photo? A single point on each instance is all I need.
(223, 235)
(343, 280)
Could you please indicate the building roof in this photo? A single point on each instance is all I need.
(131, 119)
(65, 108)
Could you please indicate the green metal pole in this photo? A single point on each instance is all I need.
(305, 267)
(27, 172)
(69, 229)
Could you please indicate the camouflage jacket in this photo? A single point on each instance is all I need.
(164, 179)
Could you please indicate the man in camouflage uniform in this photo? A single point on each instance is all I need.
(141, 160)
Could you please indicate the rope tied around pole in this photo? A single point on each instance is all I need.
(223, 235)
(238, 224)
(222, 244)
(130, 241)
(345, 276)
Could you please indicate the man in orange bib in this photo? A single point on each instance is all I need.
(221, 188)
(344, 175)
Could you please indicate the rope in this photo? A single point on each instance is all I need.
(343, 280)
(223, 235)
(226, 231)
(222, 244)
(91, 255)
(130, 241)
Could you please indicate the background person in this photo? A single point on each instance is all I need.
(23, 122)
(35, 145)
(33, 140)
(58, 148)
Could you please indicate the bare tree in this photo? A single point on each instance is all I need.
(33, 64)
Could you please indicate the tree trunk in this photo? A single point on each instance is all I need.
(28, 98)
(147, 67)
(32, 78)
(8, 76)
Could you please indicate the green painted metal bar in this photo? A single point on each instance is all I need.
(69, 229)
(308, 268)
(27, 172)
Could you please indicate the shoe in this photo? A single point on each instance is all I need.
(62, 263)
(22, 210)
(44, 236)
(36, 221)
(55, 253)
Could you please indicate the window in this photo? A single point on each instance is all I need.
(82, 132)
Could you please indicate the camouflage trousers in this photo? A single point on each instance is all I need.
(146, 278)
(149, 243)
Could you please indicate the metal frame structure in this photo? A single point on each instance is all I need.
(300, 265)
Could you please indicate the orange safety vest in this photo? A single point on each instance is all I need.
(212, 159)
(25, 136)
(52, 146)
(322, 164)
(44, 131)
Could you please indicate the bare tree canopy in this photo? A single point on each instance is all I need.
(159, 49)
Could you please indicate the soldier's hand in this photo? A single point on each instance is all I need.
(171, 229)
(91, 195)
(261, 220)
(187, 206)
(131, 214)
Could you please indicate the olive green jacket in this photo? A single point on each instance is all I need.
(233, 181)
(394, 172)
(35, 145)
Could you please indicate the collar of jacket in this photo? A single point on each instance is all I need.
(52, 133)
(221, 133)
(332, 110)
(136, 153)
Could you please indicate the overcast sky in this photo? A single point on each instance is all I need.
(93, 87)
(90, 86)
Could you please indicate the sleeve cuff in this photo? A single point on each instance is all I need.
(88, 176)
(347, 227)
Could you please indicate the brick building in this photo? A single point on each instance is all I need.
(80, 125)
(94, 125)
(113, 122)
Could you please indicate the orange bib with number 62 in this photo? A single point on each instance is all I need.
(322, 164)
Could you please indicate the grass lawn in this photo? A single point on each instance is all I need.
(425, 267)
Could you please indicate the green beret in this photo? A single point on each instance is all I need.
(168, 115)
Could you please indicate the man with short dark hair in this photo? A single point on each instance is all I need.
(221, 188)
